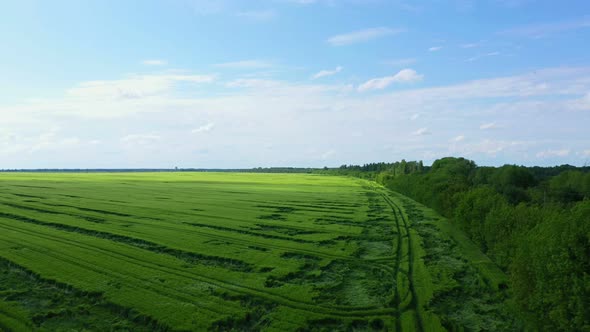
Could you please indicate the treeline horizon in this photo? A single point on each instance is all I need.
(348, 168)
(533, 222)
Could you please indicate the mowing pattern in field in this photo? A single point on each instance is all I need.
(207, 251)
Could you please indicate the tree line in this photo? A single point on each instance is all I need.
(533, 222)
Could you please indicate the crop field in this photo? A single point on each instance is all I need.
(232, 251)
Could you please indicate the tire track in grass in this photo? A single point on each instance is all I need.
(414, 302)
(293, 249)
(146, 284)
(247, 290)
(196, 224)
(145, 243)
(97, 299)
(210, 280)
(398, 261)
(243, 231)
(149, 284)
(188, 257)
(209, 235)
(40, 210)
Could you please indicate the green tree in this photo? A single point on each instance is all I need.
(551, 271)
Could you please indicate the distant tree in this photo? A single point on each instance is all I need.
(473, 209)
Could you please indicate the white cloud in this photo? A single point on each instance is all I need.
(51, 140)
(403, 76)
(489, 125)
(586, 153)
(258, 15)
(294, 116)
(415, 116)
(581, 104)
(527, 85)
(421, 132)
(435, 48)
(324, 73)
(137, 86)
(489, 147)
(155, 62)
(204, 128)
(458, 138)
(553, 153)
(245, 64)
(362, 36)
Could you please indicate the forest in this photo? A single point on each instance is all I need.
(533, 222)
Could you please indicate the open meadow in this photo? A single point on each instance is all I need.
(233, 251)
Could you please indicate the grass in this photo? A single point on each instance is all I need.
(221, 252)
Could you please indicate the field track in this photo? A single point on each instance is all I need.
(207, 251)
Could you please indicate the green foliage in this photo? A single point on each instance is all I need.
(471, 212)
(551, 271)
(512, 182)
(570, 186)
(532, 222)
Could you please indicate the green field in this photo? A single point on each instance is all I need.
(233, 251)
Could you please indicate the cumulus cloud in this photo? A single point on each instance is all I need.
(403, 76)
(294, 116)
(581, 104)
(489, 125)
(360, 36)
(203, 128)
(435, 48)
(136, 86)
(324, 73)
(458, 138)
(490, 147)
(52, 140)
(421, 132)
(553, 153)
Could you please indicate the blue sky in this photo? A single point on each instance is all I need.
(194, 83)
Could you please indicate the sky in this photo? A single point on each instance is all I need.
(307, 83)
